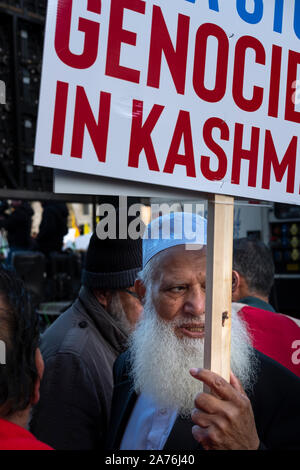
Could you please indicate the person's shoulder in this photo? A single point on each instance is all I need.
(273, 385)
(275, 404)
(15, 437)
(74, 339)
(68, 333)
(271, 373)
(24, 444)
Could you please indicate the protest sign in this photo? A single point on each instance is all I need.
(199, 95)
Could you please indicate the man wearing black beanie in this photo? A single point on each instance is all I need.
(80, 347)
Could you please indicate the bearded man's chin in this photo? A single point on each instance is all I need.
(161, 362)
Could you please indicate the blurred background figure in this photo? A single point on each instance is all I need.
(22, 367)
(18, 227)
(53, 227)
(253, 273)
(272, 333)
(80, 347)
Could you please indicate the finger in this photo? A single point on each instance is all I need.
(215, 382)
(205, 420)
(207, 437)
(208, 403)
(201, 418)
(214, 407)
(199, 434)
(234, 381)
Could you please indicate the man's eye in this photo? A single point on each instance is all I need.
(177, 289)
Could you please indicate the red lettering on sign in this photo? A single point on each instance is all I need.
(89, 28)
(59, 120)
(239, 153)
(83, 117)
(290, 113)
(117, 35)
(182, 130)
(203, 33)
(288, 163)
(244, 43)
(208, 127)
(275, 81)
(161, 43)
(140, 138)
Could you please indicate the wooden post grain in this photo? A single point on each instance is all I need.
(219, 285)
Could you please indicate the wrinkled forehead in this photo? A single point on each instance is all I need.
(180, 259)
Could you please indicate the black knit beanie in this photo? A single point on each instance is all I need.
(112, 263)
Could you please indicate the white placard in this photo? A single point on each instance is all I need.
(200, 95)
(67, 182)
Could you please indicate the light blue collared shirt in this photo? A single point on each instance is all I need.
(149, 425)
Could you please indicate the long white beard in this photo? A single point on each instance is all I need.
(161, 361)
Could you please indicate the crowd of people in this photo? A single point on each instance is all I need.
(16, 219)
(122, 368)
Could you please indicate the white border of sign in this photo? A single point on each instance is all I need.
(192, 129)
(67, 182)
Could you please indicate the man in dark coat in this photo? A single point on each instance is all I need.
(53, 227)
(80, 347)
(158, 400)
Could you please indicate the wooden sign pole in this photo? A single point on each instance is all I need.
(218, 285)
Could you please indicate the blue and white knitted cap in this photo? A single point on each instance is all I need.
(172, 229)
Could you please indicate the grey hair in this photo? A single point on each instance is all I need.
(147, 274)
(254, 261)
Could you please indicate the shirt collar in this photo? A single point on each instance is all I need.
(256, 302)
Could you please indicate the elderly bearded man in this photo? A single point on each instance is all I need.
(156, 384)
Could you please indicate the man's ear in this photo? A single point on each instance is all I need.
(40, 370)
(140, 289)
(103, 297)
(236, 281)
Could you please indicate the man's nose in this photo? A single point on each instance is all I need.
(195, 302)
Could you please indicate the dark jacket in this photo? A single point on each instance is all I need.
(53, 227)
(18, 226)
(275, 403)
(79, 350)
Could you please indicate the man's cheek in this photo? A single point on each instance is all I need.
(165, 309)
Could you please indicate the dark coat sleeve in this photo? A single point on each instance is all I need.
(68, 415)
(276, 405)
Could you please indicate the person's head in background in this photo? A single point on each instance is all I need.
(252, 270)
(15, 203)
(111, 267)
(23, 367)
